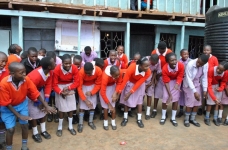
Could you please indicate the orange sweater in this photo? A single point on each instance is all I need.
(162, 57)
(89, 80)
(124, 59)
(136, 79)
(107, 63)
(9, 95)
(12, 58)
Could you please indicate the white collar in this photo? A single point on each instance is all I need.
(94, 69)
(66, 72)
(2, 70)
(33, 65)
(107, 71)
(120, 55)
(157, 51)
(137, 71)
(215, 73)
(210, 56)
(173, 70)
(109, 62)
(45, 77)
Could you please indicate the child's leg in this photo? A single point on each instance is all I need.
(187, 114)
(154, 112)
(163, 119)
(9, 138)
(181, 112)
(75, 118)
(81, 117)
(70, 120)
(24, 128)
(60, 126)
(105, 113)
(90, 123)
(44, 133)
(139, 118)
(215, 120)
(113, 120)
(193, 117)
(174, 112)
(220, 114)
(36, 136)
(2, 134)
(50, 116)
(207, 116)
(125, 119)
(149, 99)
(102, 114)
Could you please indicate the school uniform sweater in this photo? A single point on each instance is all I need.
(12, 58)
(212, 62)
(133, 75)
(213, 79)
(30, 67)
(10, 94)
(61, 76)
(108, 63)
(161, 56)
(86, 80)
(3, 73)
(124, 61)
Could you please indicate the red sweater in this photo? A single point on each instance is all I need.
(41, 80)
(65, 78)
(11, 95)
(12, 58)
(124, 61)
(107, 63)
(4, 74)
(212, 62)
(214, 79)
(136, 79)
(162, 57)
(108, 81)
(177, 75)
(89, 80)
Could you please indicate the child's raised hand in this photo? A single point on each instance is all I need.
(25, 118)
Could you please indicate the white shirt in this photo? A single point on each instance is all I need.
(137, 71)
(190, 73)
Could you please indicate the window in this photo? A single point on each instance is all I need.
(169, 39)
(195, 46)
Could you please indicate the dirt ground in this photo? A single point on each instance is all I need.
(152, 136)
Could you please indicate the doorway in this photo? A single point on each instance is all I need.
(195, 46)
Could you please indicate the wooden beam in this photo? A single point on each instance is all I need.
(100, 13)
(139, 15)
(10, 5)
(119, 15)
(84, 12)
(193, 19)
(172, 17)
(94, 13)
(185, 19)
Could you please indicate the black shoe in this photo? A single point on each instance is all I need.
(219, 121)
(225, 122)
(37, 138)
(59, 133)
(180, 114)
(72, 131)
(124, 122)
(56, 118)
(130, 114)
(101, 116)
(153, 115)
(92, 126)
(80, 128)
(186, 124)
(49, 117)
(105, 127)
(207, 122)
(195, 123)
(162, 121)
(215, 121)
(200, 111)
(147, 117)
(75, 119)
(140, 123)
(46, 135)
(174, 123)
(114, 127)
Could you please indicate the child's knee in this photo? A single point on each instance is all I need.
(24, 127)
(10, 131)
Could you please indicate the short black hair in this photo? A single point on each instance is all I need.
(88, 66)
(141, 61)
(154, 57)
(87, 48)
(137, 53)
(204, 58)
(45, 62)
(78, 57)
(15, 65)
(207, 46)
(12, 48)
(167, 56)
(224, 64)
(98, 61)
(24, 54)
(162, 45)
(112, 51)
(113, 69)
(51, 54)
(183, 50)
(66, 56)
(43, 50)
(32, 49)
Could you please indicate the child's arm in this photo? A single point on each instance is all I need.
(21, 117)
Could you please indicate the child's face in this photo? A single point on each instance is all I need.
(88, 53)
(120, 50)
(144, 66)
(220, 69)
(66, 64)
(207, 50)
(112, 57)
(199, 63)
(89, 73)
(33, 56)
(172, 62)
(116, 75)
(41, 54)
(184, 55)
(137, 57)
(19, 74)
(3, 61)
(161, 51)
(77, 63)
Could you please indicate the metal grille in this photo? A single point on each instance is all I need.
(110, 41)
(195, 46)
(169, 39)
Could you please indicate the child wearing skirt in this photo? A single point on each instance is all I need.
(155, 67)
(122, 57)
(217, 79)
(224, 102)
(133, 88)
(42, 78)
(90, 83)
(172, 75)
(111, 81)
(195, 72)
(65, 81)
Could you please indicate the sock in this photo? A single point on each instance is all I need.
(9, 147)
(2, 136)
(227, 117)
(155, 110)
(148, 110)
(114, 122)
(193, 117)
(173, 115)
(163, 113)
(34, 130)
(70, 122)
(220, 113)
(186, 119)
(24, 143)
(181, 108)
(125, 115)
(91, 114)
(215, 114)
(205, 108)
(60, 126)
(207, 115)
(139, 116)
(43, 126)
(105, 123)
(81, 116)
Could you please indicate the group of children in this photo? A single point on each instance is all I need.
(28, 85)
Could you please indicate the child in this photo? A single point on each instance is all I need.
(123, 57)
(90, 82)
(224, 102)
(24, 55)
(42, 78)
(195, 78)
(32, 62)
(13, 92)
(65, 81)
(150, 82)
(133, 87)
(77, 61)
(42, 53)
(14, 54)
(172, 75)
(111, 81)
(216, 83)
(161, 51)
(112, 60)
(184, 59)
(99, 62)
(88, 55)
